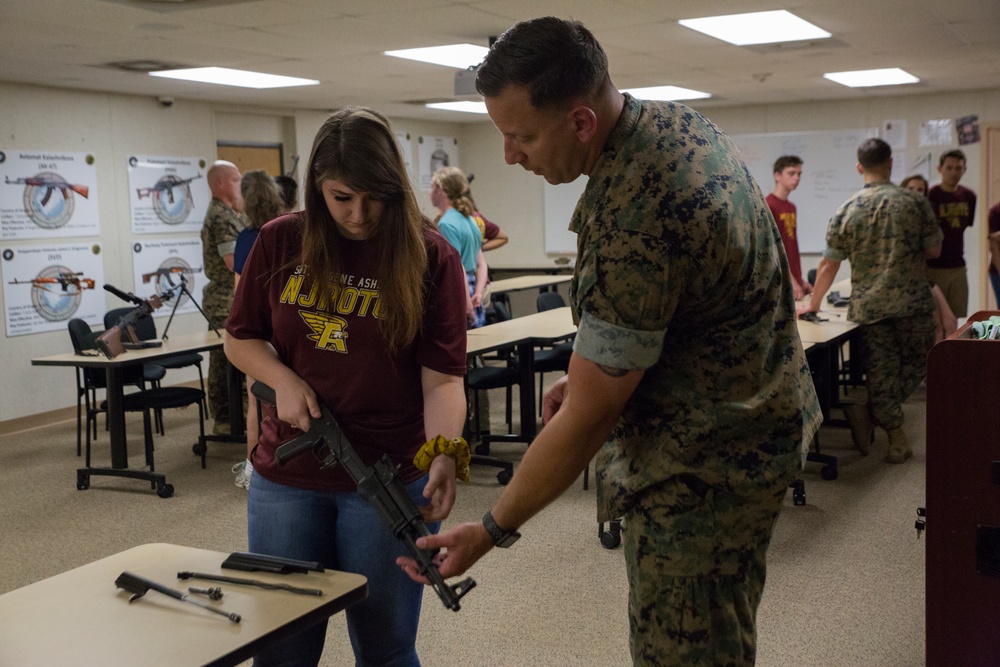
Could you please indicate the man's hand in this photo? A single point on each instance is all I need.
(798, 290)
(804, 308)
(554, 398)
(440, 489)
(462, 546)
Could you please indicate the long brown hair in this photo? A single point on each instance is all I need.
(454, 184)
(262, 201)
(356, 146)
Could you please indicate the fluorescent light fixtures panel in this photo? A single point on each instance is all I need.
(466, 106)
(459, 56)
(666, 93)
(892, 76)
(756, 28)
(224, 76)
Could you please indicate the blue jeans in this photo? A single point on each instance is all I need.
(995, 282)
(343, 532)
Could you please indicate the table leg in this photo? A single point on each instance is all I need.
(116, 417)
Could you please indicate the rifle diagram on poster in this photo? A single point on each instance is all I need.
(47, 194)
(167, 194)
(432, 154)
(162, 266)
(46, 286)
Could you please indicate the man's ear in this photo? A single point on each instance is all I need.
(584, 122)
(859, 168)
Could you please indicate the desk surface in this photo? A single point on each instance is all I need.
(80, 617)
(544, 327)
(837, 326)
(527, 282)
(179, 344)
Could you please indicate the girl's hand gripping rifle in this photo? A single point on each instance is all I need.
(378, 484)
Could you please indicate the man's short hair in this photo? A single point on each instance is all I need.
(873, 153)
(955, 153)
(786, 161)
(557, 60)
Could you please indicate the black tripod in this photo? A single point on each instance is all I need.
(177, 301)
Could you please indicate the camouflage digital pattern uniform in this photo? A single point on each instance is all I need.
(681, 272)
(218, 238)
(883, 230)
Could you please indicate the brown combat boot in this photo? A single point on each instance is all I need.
(859, 418)
(899, 447)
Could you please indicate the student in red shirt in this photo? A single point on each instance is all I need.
(356, 303)
(955, 207)
(787, 172)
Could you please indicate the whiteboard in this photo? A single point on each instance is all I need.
(560, 202)
(829, 176)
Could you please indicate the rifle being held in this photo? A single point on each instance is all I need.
(379, 485)
(110, 342)
(52, 183)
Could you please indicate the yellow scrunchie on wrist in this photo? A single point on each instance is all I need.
(456, 448)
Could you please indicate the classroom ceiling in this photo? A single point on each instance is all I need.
(951, 45)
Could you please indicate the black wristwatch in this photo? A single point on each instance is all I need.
(501, 538)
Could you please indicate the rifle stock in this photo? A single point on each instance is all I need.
(379, 485)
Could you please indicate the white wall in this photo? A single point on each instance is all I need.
(512, 197)
(114, 126)
(111, 127)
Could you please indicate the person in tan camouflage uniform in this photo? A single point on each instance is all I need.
(687, 379)
(887, 232)
(224, 221)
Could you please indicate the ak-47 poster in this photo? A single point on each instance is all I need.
(167, 194)
(47, 194)
(171, 267)
(46, 286)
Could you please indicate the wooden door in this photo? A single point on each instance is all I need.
(248, 157)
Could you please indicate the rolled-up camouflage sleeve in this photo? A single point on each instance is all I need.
(623, 293)
(616, 346)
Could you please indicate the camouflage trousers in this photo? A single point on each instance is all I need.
(696, 561)
(216, 307)
(895, 353)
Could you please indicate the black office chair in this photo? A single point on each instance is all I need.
(482, 378)
(89, 380)
(145, 329)
(155, 399)
(556, 357)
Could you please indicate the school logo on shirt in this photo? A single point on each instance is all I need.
(954, 214)
(328, 331)
(788, 221)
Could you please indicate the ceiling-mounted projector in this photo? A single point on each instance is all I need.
(465, 84)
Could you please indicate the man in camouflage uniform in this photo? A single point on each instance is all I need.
(886, 232)
(688, 379)
(223, 223)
